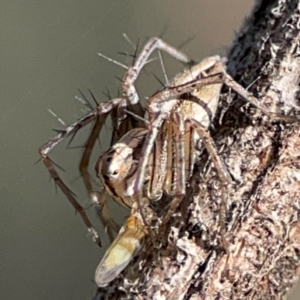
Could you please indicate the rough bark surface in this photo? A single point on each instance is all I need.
(263, 202)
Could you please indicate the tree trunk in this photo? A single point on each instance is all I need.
(262, 238)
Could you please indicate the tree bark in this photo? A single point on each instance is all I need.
(262, 239)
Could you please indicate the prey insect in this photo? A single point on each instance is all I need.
(178, 116)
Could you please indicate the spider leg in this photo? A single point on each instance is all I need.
(160, 163)
(98, 199)
(123, 122)
(170, 170)
(129, 90)
(179, 176)
(230, 82)
(144, 161)
(101, 110)
(133, 72)
(210, 146)
(222, 171)
(173, 92)
(88, 148)
(189, 148)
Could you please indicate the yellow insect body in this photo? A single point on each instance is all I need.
(122, 250)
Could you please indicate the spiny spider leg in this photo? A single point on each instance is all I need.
(102, 110)
(133, 72)
(128, 88)
(230, 82)
(180, 173)
(99, 199)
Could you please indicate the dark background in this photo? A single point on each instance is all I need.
(48, 51)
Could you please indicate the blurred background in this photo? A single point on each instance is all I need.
(49, 50)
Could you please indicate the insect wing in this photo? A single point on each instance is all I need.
(120, 253)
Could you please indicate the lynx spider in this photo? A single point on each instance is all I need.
(179, 116)
(187, 105)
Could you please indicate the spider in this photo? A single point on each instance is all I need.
(178, 116)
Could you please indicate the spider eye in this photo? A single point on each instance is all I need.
(115, 172)
(109, 159)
